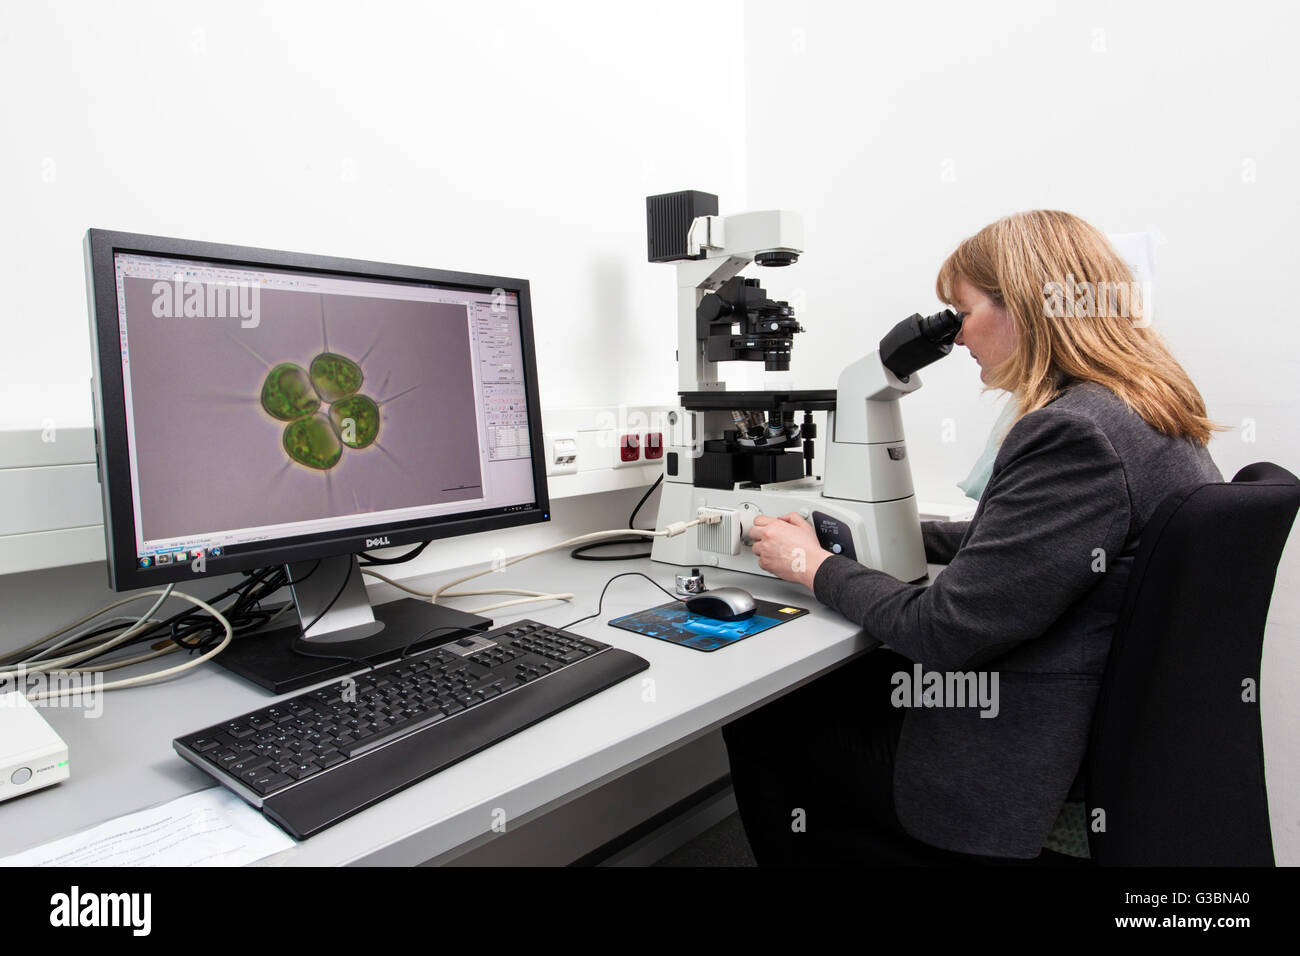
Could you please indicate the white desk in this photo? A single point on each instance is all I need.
(123, 761)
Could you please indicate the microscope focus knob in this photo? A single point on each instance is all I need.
(836, 548)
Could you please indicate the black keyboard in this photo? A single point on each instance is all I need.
(314, 759)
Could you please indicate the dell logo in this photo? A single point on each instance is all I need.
(376, 542)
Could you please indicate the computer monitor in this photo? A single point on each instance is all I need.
(256, 408)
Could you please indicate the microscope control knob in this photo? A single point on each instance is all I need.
(836, 548)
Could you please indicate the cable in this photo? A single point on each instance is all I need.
(582, 555)
(187, 629)
(77, 656)
(532, 595)
(89, 617)
(144, 618)
(601, 600)
(367, 559)
(674, 529)
(166, 672)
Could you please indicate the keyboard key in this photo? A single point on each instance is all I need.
(266, 784)
(250, 764)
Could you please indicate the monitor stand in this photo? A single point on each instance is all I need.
(344, 629)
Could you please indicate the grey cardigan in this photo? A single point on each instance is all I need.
(1033, 590)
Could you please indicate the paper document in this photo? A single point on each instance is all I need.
(209, 828)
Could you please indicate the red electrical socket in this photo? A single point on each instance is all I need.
(654, 445)
(629, 448)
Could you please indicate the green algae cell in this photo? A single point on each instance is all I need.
(312, 441)
(335, 376)
(287, 393)
(357, 420)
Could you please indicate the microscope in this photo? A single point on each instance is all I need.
(739, 454)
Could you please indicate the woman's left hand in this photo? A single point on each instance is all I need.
(787, 547)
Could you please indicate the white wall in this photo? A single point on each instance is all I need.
(511, 138)
(899, 129)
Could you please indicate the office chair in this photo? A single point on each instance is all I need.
(1176, 758)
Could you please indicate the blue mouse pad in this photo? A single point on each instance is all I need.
(672, 622)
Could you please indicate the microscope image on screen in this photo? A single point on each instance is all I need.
(324, 408)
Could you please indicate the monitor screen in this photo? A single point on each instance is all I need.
(262, 407)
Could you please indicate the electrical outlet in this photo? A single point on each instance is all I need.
(629, 448)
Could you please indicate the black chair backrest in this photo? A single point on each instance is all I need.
(1176, 760)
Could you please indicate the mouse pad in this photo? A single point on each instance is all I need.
(672, 622)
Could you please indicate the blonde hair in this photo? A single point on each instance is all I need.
(1033, 263)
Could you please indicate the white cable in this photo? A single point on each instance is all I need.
(142, 619)
(84, 652)
(61, 663)
(63, 630)
(32, 662)
(531, 595)
(128, 661)
(116, 639)
(524, 600)
(124, 621)
(165, 672)
(674, 529)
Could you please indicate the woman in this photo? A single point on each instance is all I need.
(1107, 424)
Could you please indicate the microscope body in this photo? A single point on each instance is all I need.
(741, 453)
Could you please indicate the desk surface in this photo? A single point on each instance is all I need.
(123, 760)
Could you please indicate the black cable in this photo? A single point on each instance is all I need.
(198, 619)
(581, 554)
(194, 630)
(600, 601)
(367, 559)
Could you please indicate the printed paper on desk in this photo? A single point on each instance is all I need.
(209, 828)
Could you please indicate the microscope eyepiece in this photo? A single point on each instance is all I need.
(919, 340)
(942, 326)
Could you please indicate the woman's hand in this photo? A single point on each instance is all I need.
(787, 547)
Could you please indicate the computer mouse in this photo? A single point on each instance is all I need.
(723, 604)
